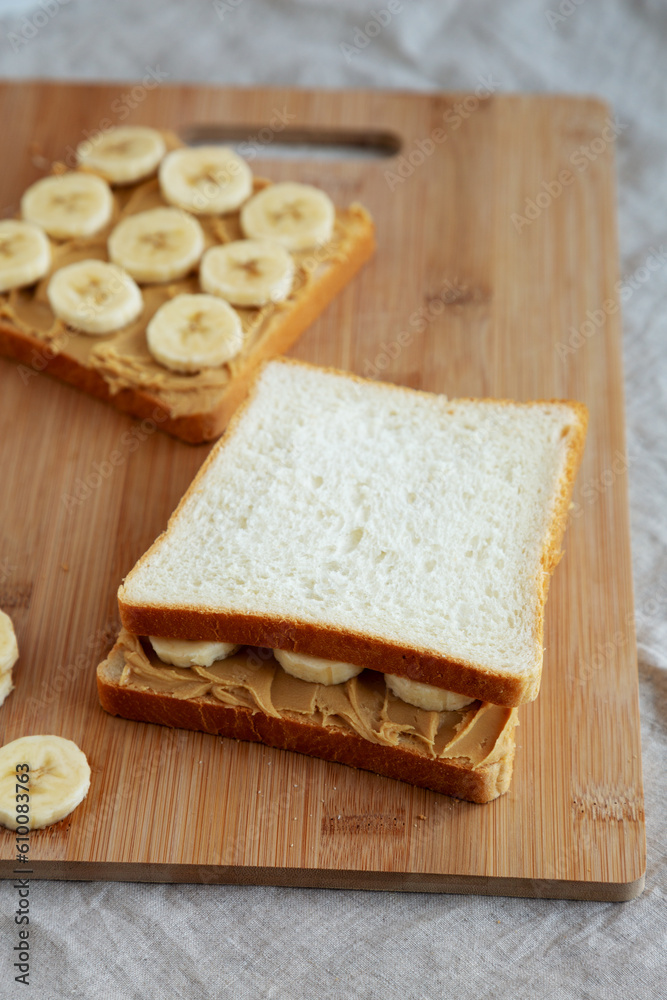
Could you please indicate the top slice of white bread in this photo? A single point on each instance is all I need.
(375, 524)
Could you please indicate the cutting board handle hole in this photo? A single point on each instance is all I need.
(276, 142)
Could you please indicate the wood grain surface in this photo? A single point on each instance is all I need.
(496, 275)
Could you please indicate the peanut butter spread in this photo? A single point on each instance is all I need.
(480, 733)
(122, 357)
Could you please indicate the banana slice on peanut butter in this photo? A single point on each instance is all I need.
(248, 272)
(192, 332)
(298, 216)
(123, 155)
(94, 297)
(159, 245)
(25, 254)
(206, 180)
(69, 205)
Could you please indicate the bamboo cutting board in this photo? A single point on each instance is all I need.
(495, 275)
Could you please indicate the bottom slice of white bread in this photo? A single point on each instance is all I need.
(468, 754)
(373, 524)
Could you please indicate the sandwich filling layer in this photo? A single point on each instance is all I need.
(481, 733)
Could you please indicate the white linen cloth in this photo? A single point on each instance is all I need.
(104, 939)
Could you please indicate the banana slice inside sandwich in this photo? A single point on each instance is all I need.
(58, 780)
(314, 668)
(206, 180)
(426, 696)
(74, 204)
(248, 272)
(298, 216)
(94, 296)
(192, 332)
(155, 246)
(123, 155)
(25, 254)
(184, 653)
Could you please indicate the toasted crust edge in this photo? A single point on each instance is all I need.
(363, 649)
(448, 777)
(284, 329)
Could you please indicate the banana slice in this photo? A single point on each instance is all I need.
(426, 696)
(74, 204)
(94, 296)
(25, 254)
(208, 180)
(314, 668)
(123, 155)
(159, 245)
(58, 780)
(6, 686)
(248, 272)
(9, 654)
(296, 215)
(182, 653)
(9, 648)
(192, 332)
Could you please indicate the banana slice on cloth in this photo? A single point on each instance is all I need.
(248, 272)
(25, 254)
(183, 653)
(314, 668)
(296, 215)
(94, 296)
(426, 696)
(206, 180)
(156, 246)
(123, 155)
(70, 205)
(58, 779)
(191, 332)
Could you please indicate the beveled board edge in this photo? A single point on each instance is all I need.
(316, 878)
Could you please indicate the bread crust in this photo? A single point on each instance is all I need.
(366, 649)
(448, 776)
(283, 329)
